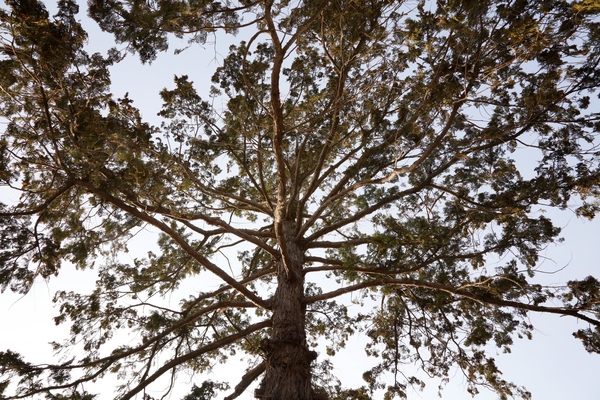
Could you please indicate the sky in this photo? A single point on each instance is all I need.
(553, 365)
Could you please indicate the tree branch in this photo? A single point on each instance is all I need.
(44, 205)
(455, 291)
(179, 240)
(247, 379)
(193, 354)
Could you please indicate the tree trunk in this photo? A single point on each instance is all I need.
(287, 374)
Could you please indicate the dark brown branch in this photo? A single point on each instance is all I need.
(347, 176)
(223, 289)
(339, 265)
(248, 235)
(489, 300)
(359, 215)
(247, 380)
(193, 354)
(252, 206)
(338, 192)
(205, 262)
(428, 151)
(337, 245)
(65, 386)
(317, 178)
(262, 232)
(42, 206)
(109, 360)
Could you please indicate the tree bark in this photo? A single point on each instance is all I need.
(287, 374)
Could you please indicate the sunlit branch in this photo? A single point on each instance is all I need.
(248, 235)
(426, 153)
(260, 188)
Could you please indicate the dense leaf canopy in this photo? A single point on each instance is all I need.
(395, 151)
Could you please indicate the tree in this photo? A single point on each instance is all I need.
(365, 147)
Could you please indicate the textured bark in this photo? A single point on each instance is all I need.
(287, 375)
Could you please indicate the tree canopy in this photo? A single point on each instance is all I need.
(364, 148)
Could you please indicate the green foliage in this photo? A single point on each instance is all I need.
(208, 390)
(393, 153)
(73, 396)
(145, 25)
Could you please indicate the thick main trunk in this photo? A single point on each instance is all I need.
(287, 375)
